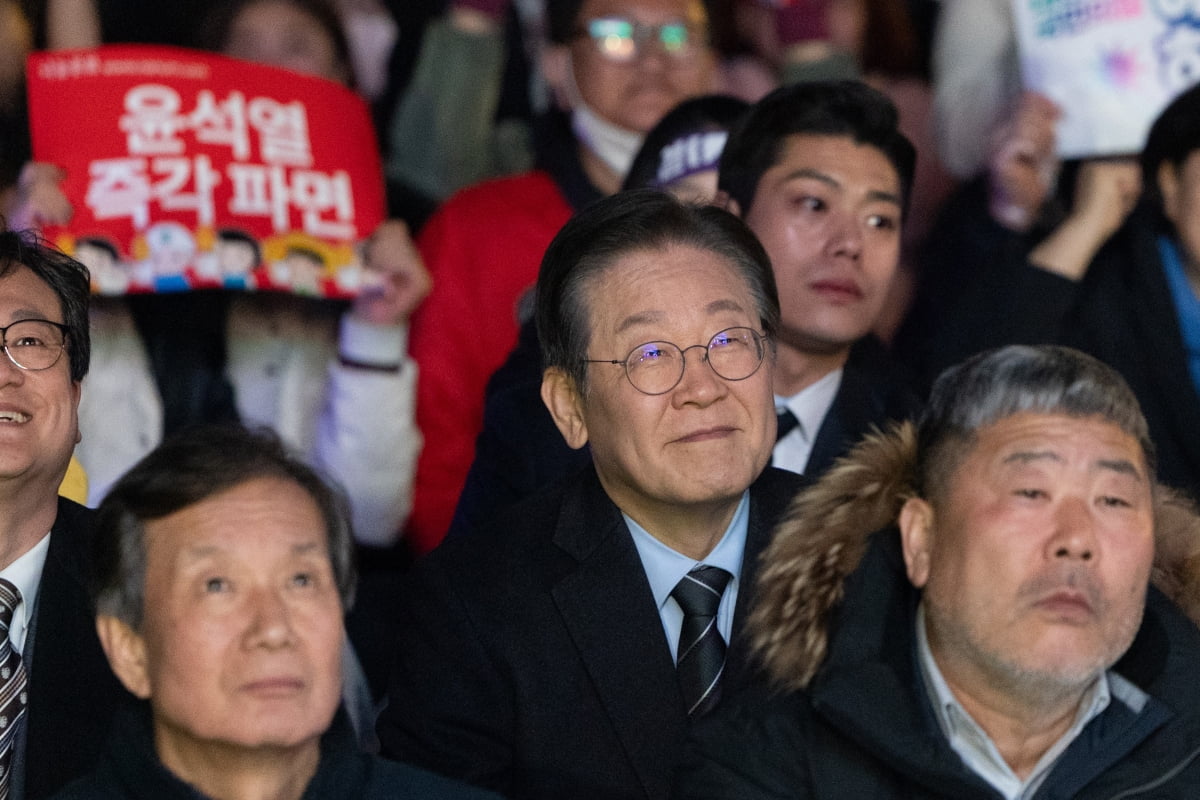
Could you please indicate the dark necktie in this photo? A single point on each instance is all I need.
(787, 423)
(701, 654)
(12, 685)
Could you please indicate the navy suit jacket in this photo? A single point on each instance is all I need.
(73, 693)
(532, 660)
(872, 393)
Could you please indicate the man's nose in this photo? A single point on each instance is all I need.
(700, 383)
(10, 373)
(270, 620)
(1074, 530)
(846, 236)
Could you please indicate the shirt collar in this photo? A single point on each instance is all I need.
(665, 567)
(811, 404)
(26, 574)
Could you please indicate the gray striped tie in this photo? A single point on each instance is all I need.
(12, 684)
(701, 655)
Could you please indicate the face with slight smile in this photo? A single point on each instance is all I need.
(701, 443)
(1035, 558)
(241, 641)
(39, 424)
(828, 213)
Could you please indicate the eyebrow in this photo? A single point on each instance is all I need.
(829, 180)
(651, 317)
(1121, 466)
(1027, 456)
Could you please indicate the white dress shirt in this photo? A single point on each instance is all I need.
(809, 405)
(26, 574)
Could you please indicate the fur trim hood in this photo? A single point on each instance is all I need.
(823, 535)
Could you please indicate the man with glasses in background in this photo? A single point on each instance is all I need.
(614, 67)
(57, 694)
(564, 656)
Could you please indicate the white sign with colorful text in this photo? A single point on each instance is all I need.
(1110, 65)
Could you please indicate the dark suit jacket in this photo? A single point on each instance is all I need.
(73, 694)
(873, 392)
(532, 660)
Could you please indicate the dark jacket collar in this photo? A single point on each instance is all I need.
(131, 766)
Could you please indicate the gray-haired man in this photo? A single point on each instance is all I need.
(997, 637)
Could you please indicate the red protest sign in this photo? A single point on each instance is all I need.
(192, 170)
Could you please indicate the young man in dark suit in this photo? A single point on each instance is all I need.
(821, 173)
(562, 654)
(55, 661)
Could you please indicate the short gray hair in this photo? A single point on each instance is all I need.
(997, 384)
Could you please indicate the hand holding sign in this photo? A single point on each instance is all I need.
(1023, 165)
(396, 279)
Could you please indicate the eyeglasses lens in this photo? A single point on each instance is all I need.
(33, 344)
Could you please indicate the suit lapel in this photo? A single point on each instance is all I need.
(72, 692)
(848, 418)
(610, 614)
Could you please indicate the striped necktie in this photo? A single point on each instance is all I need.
(701, 655)
(787, 423)
(12, 685)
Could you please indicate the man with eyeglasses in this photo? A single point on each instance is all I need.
(565, 655)
(57, 694)
(615, 68)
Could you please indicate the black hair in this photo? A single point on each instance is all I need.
(844, 108)
(644, 219)
(188, 468)
(1173, 137)
(68, 278)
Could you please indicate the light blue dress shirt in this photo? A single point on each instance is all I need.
(666, 567)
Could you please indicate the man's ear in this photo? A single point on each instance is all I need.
(916, 539)
(126, 651)
(725, 201)
(562, 398)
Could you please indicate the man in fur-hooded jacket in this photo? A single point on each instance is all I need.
(965, 609)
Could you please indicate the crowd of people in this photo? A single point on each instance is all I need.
(748, 402)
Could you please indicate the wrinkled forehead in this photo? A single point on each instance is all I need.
(643, 283)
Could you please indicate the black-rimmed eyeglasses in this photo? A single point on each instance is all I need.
(657, 367)
(34, 344)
